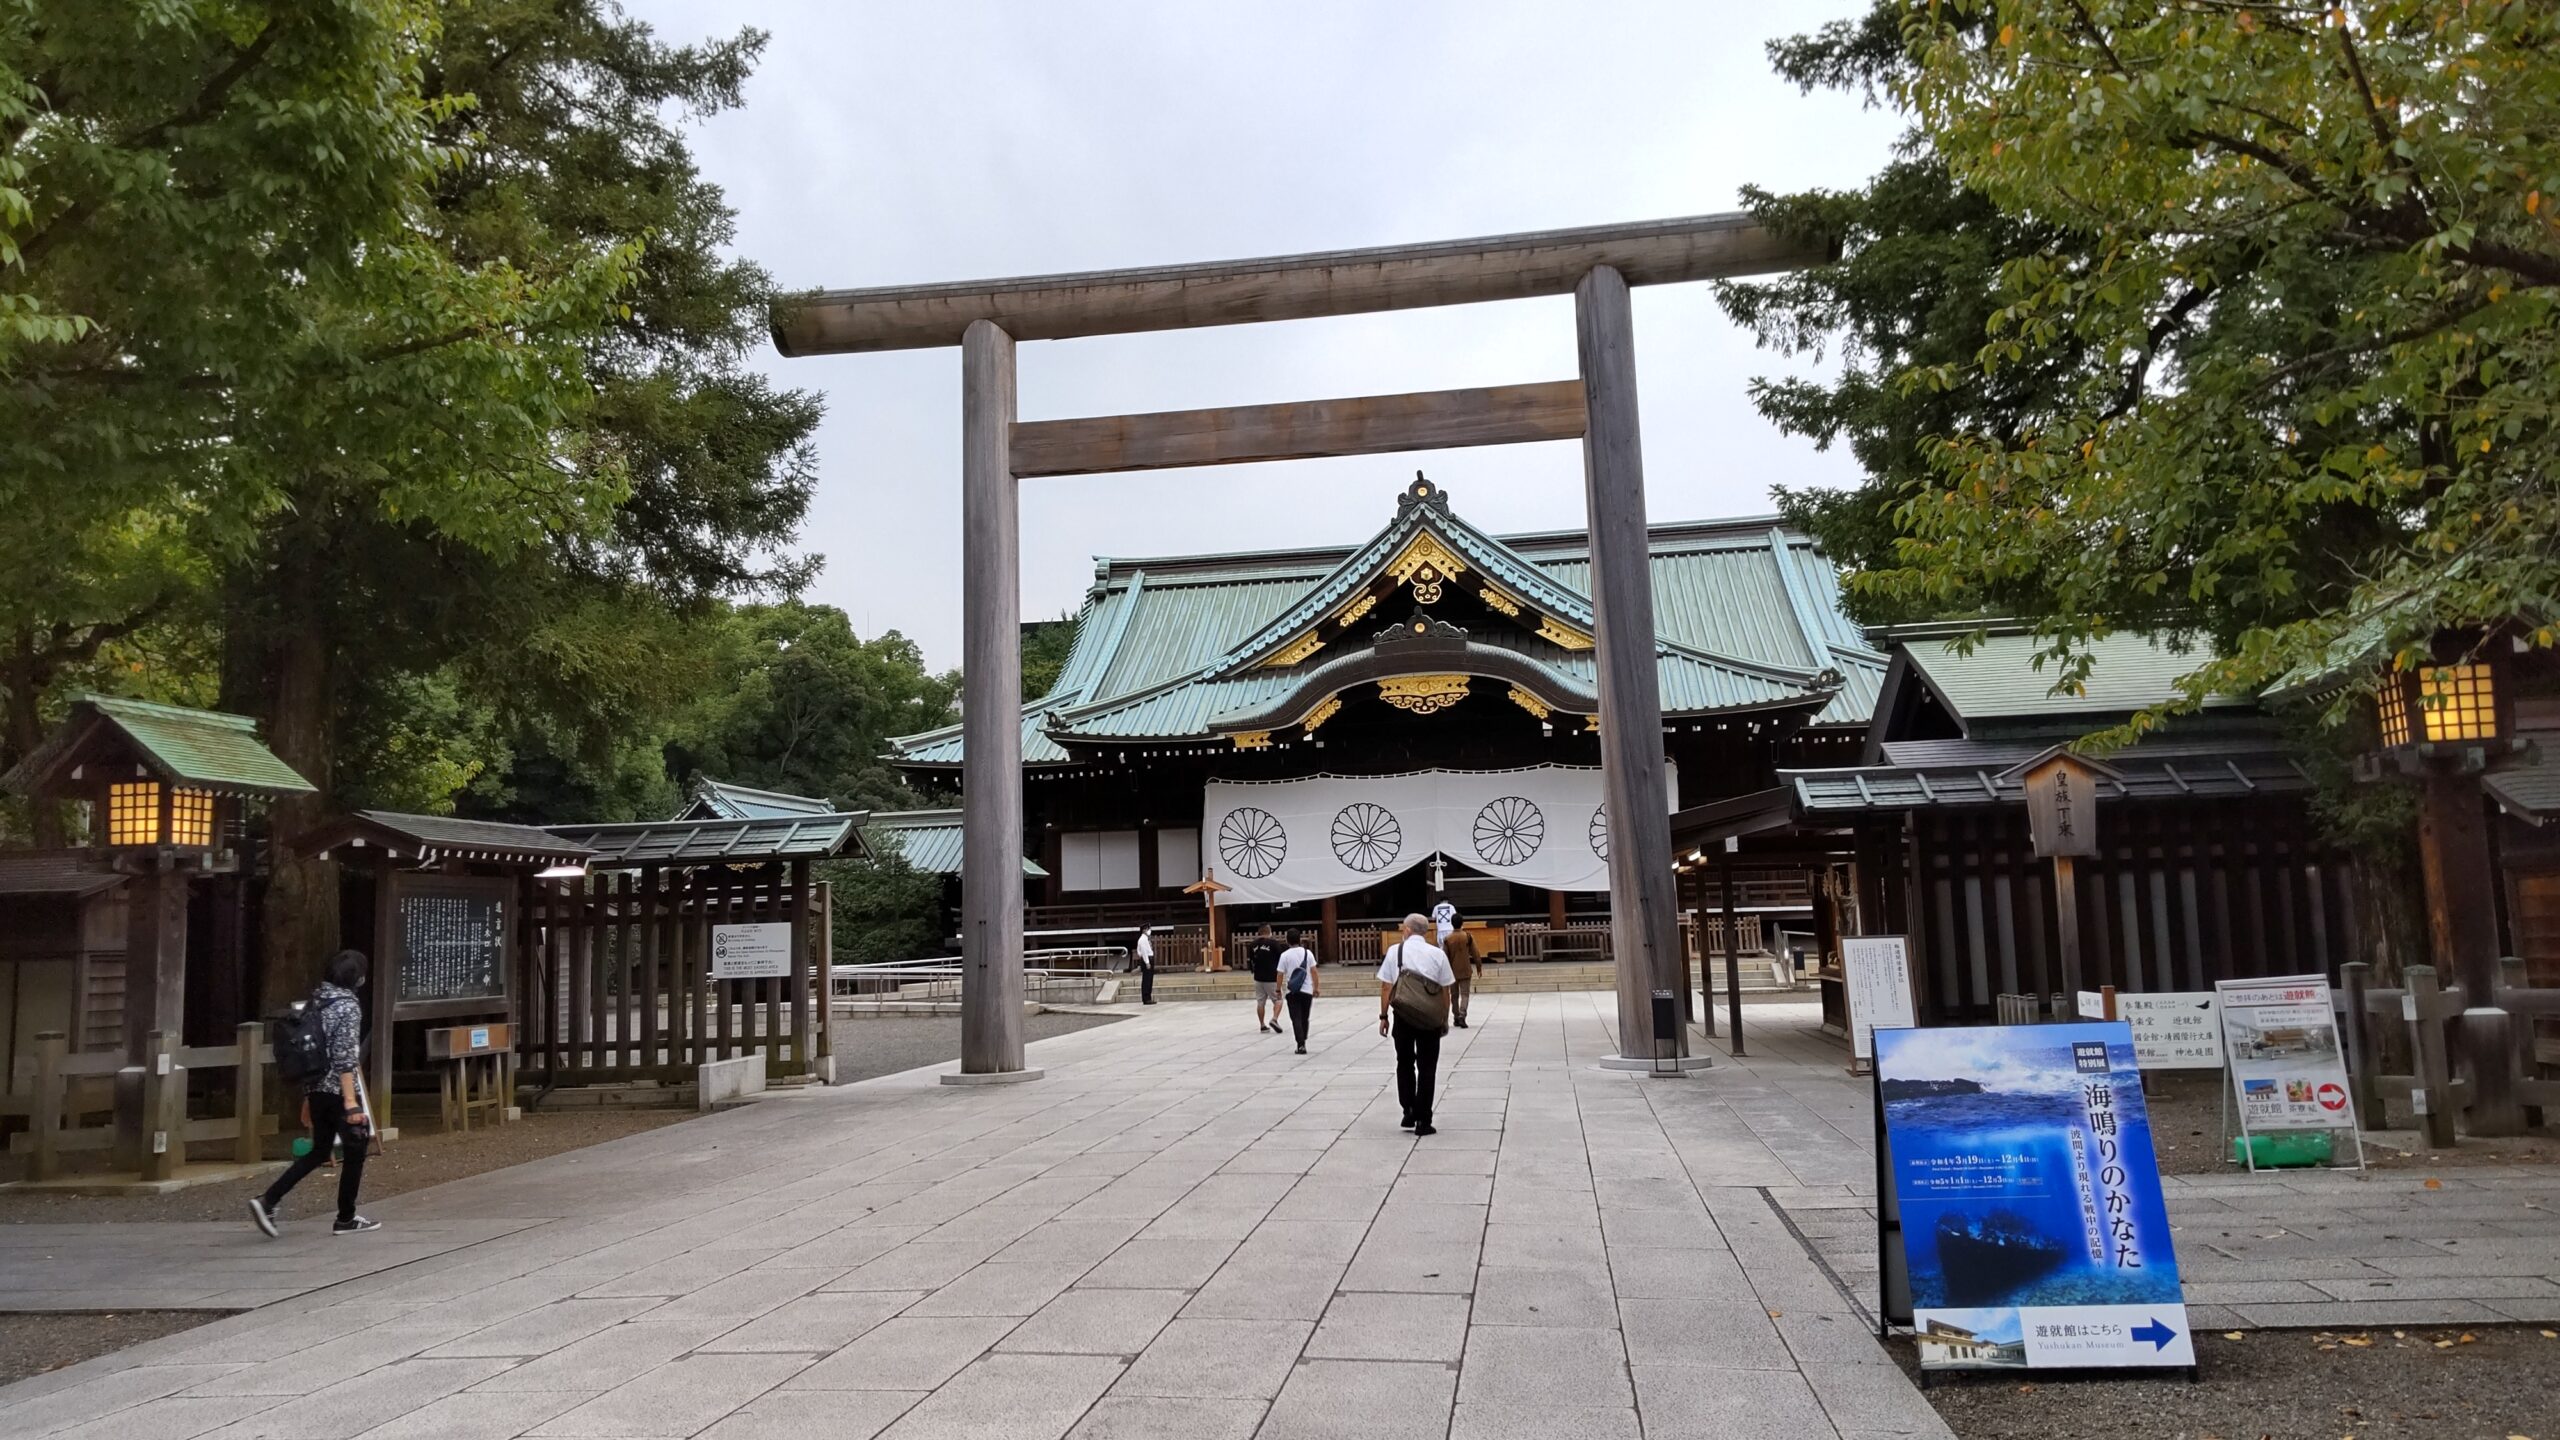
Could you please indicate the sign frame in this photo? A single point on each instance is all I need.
(751, 950)
(1864, 961)
(2299, 994)
(2011, 1314)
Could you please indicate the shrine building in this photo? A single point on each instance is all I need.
(1343, 735)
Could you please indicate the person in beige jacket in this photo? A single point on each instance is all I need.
(1460, 947)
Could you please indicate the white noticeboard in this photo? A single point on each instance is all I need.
(751, 952)
(2287, 1062)
(1877, 969)
(2174, 1030)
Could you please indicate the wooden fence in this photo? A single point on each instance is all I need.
(618, 984)
(2181, 896)
(2474, 1063)
(59, 1091)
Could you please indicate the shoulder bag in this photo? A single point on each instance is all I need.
(1418, 1000)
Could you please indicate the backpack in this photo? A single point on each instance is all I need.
(300, 1043)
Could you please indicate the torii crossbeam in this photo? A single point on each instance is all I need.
(1596, 265)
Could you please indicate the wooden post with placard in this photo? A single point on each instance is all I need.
(2062, 820)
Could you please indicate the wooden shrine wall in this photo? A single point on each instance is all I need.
(2183, 895)
(616, 974)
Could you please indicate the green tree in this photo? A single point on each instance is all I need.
(802, 704)
(1046, 644)
(885, 910)
(2316, 253)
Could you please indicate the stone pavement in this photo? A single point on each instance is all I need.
(105, 1267)
(1184, 1231)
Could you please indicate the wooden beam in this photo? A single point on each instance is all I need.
(1286, 287)
(1304, 430)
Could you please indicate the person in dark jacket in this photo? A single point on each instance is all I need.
(336, 1098)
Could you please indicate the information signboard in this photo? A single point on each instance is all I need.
(2282, 1050)
(1877, 972)
(2174, 1030)
(449, 941)
(2032, 1224)
(760, 951)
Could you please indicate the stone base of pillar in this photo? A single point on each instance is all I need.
(994, 1077)
(1646, 1064)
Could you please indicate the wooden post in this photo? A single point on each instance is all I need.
(1555, 910)
(2066, 913)
(1641, 925)
(2487, 1058)
(249, 1094)
(2435, 1077)
(2521, 1060)
(2355, 1028)
(164, 1087)
(803, 1031)
(2461, 882)
(826, 1051)
(1732, 953)
(44, 1158)
(991, 709)
(1329, 929)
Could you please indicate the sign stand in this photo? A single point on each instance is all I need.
(2283, 1061)
(1879, 992)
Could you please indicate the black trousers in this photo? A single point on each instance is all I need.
(328, 1123)
(1146, 984)
(1417, 1069)
(1300, 1004)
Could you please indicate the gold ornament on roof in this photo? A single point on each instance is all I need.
(1553, 630)
(1253, 740)
(1424, 565)
(1529, 702)
(1423, 694)
(1332, 705)
(1297, 650)
(1496, 600)
(1359, 606)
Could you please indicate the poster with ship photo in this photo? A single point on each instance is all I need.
(2032, 1222)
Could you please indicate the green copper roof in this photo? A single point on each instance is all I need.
(712, 799)
(1747, 612)
(928, 839)
(201, 748)
(2001, 679)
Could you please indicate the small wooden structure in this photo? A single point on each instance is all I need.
(619, 976)
(1209, 887)
(164, 787)
(444, 901)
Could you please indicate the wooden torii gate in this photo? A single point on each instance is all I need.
(985, 318)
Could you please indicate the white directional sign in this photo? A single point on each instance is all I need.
(751, 952)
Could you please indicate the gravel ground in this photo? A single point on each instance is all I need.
(419, 1158)
(869, 1045)
(2288, 1385)
(34, 1344)
(2186, 1126)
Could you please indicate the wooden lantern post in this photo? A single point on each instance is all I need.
(2062, 820)
(1208, 887)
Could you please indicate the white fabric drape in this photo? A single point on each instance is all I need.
(1329, 834)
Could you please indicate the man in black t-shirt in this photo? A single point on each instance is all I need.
(1264, 955)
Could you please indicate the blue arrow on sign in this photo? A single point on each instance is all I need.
(2158, 1334)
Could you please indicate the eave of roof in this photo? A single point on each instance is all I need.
(929, 840)
(428, 838)
(707, 842)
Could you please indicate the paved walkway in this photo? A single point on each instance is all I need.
(1187, 1231)
(1184, 1231)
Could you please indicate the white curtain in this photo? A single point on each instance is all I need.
(1329, 834)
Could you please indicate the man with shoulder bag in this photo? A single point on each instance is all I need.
(1413, 1006)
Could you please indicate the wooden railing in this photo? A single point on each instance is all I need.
(49, 1090)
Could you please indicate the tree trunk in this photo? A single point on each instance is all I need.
(300, 929)
(2394, 918)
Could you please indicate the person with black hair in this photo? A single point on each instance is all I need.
(1298, 984)
(336, 1100)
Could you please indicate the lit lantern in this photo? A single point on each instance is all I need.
(156, 778)
(2456, 703)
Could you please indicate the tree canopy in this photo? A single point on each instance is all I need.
(2290, 358)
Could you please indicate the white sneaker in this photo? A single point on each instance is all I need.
(262, 1217)
(357, 1226)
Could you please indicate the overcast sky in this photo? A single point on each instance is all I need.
(966, 139)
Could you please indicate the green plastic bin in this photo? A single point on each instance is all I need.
(2284, 1149)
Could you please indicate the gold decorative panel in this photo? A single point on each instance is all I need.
(1499, 601)
(1425, 565)
(1529, 702)
(1552, 629)
(1297, 650)
(1591, 723)
(1253, 740)
(1326, 711)
(1360, 606)
(1423, 694)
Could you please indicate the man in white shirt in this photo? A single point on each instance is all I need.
(1298, 984)
(1147, 966)
(1417, 1045)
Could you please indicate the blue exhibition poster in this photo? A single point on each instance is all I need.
(2032, 1220)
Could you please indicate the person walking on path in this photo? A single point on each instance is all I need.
(1417, 1041)
(1460, 947)
(1298, 984)
(336, 1101)
(1146, 954)
(1264, 956)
